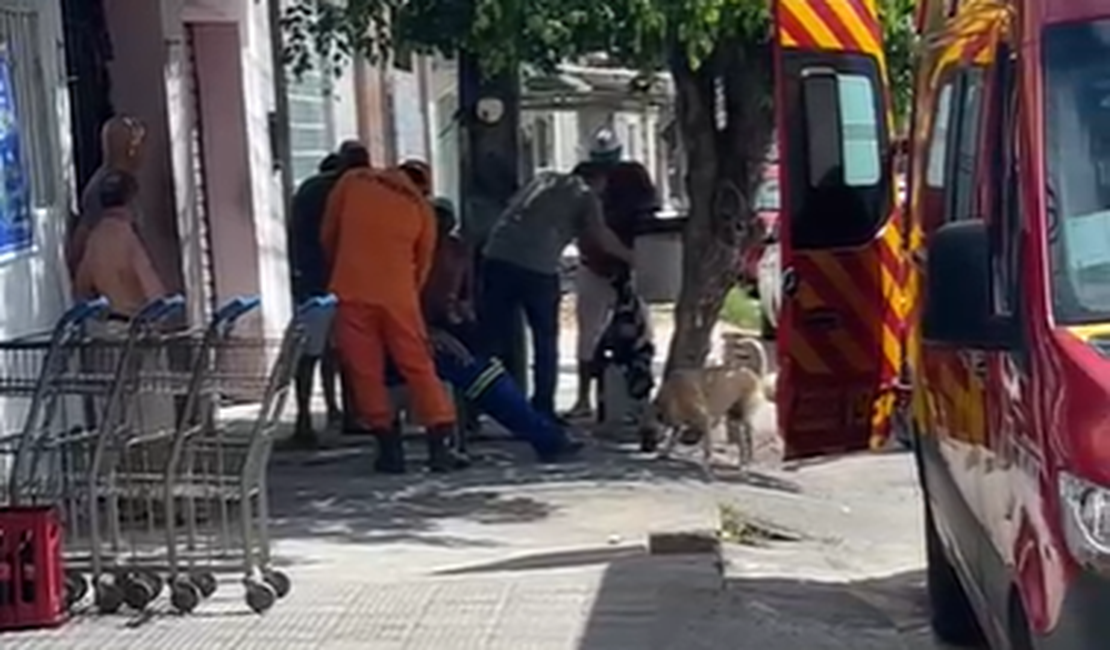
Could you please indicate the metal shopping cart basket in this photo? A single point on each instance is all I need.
(31, 584)
(134, 460)
(46, 457)
(217, 471)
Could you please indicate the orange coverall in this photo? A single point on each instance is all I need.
(379, 238)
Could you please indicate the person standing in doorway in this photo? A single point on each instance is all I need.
(115, 263)
(121, 140)
(629, 199)
(521, 261)
(310, 279)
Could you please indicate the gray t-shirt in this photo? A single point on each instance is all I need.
(542, 220)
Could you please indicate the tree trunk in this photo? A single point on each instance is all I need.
(726, 121)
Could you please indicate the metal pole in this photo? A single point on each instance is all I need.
(489, 158)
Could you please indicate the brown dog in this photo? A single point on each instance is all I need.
(692, 403)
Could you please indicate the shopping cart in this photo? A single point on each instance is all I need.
(217, 470)
(53, 467)
(141, 457)
(35, 370)
(31, 580)
(147, 501)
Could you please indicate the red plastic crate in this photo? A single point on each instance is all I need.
(32, 578)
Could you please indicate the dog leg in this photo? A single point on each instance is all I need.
(670, 438)
(707, 449)
(745, 443)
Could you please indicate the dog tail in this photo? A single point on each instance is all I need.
(770, 385)
(758, 354)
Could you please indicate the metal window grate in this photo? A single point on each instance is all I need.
(203, 223)
(20, 40)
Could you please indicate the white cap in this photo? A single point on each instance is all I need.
(606, 146)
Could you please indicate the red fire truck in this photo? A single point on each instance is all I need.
(1003, 327)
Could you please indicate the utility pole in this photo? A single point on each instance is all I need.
(489, 174)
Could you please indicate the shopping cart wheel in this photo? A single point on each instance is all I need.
(205, 582)
(155, 580)
(184, 596)
(138, 592)
(109, 598)
(279, 581)
(260, 597)
(76, 588)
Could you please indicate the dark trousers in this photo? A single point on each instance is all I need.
(507, 291)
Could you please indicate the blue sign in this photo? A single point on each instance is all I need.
(15, 192)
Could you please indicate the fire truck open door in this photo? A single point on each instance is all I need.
(840, 333)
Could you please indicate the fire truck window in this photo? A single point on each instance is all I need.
(822, 104)
(1077, 161)
(938, 144)
(842, 194)
(965, 143)
(859, 130)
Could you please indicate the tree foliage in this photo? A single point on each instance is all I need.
(641, 34)
(637, 33)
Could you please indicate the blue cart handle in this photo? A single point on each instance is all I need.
(85, 311)
(235, 309)
(318, 303)
(161, 309)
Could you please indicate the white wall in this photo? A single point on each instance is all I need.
(410, 130)
(567, 149)
(443, 103)
(344, 107)
(269, 211)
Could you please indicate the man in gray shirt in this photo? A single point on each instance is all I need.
(521, 259)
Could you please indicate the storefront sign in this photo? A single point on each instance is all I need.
(15, 195)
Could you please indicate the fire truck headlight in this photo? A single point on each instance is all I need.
(1086, 514)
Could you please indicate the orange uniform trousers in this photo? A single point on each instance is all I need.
(367, 335)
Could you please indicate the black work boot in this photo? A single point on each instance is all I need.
(441, 456)
(391, 452)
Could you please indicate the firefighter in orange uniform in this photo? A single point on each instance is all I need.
(379, 237)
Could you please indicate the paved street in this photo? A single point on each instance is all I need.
(515, 556)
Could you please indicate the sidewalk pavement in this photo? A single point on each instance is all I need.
(513, 555)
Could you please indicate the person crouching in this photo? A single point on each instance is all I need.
(483, 381)
(379, 236)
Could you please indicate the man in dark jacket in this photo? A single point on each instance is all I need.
(310, 278)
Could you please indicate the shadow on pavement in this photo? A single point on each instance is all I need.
(333, 493)
(661, 603)
(681, 602)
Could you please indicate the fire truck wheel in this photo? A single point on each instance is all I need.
(953, 617)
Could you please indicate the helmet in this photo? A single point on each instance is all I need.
(606, 146)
